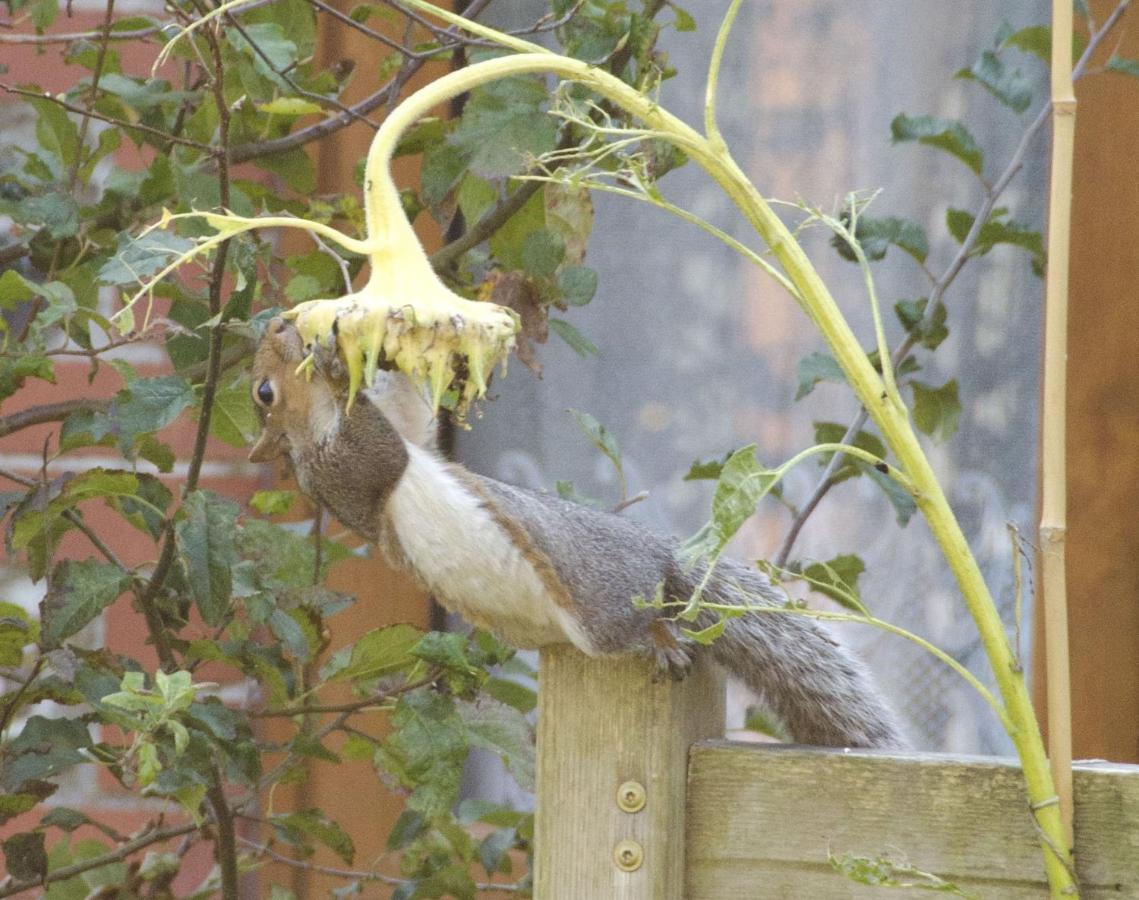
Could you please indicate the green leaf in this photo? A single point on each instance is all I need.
(383, 651)
(43, 749)
(287, 627)
(838, 579)
(289, 106)
(277, 52)
(56, 132)
(443, 165)
(506, 244)
(929, 332)
(303, 287)
(579, 343)
(743, 482)
(272, 503)
(205, 540)
(313, 823)
(145, 406)
(146, 507)
(234, 419)
(707, 470)
(601, 438)
(13, 372)
(944, 134)
(493, 850)
(79, 591)
(17, 631)
(25, 856)
(876, 235)
(425, 133)
(682, 19)
(140, 258)
(65, 819)
(815, 368)
(522, 698)
(1010, 86)
(1035, 39)
(997, 230)
(569, 212)
(447, 650)
(578, 285)
(833, 433)
(503, 125)
(476, 195)
(294, 166)
(31, 794)
(56, 212)
(38, 523)
(427, 751)
(936, 410)
(503, 730)
(1123, 65)
(542, 252)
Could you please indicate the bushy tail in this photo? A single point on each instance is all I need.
(820, 691)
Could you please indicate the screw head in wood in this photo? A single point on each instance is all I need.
(628, 855)
(631, 796)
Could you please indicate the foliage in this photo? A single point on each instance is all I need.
(225, 587)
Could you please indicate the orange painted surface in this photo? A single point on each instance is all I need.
(1103, 416)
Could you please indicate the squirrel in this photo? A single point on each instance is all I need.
(531, 567)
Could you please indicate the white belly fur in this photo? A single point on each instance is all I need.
(468, 561)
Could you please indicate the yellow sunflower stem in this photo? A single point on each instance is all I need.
(406, 256)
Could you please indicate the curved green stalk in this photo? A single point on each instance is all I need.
(874, 621)
(711, 129)
(403, 290)
(681, 213)
(816, 300)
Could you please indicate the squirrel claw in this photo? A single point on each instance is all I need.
(672, 655)
(326, 360)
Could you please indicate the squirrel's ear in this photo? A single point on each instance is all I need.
(285, 340)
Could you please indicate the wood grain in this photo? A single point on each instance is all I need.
(761, 821)
(602, 722)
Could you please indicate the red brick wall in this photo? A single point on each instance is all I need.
(350, 793)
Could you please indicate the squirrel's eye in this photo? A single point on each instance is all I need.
(265, 393)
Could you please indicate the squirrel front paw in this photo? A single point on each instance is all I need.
(326, 361)
(670, 651)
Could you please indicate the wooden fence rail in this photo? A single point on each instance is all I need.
(640, 799)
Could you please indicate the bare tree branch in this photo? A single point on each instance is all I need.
(941, 285)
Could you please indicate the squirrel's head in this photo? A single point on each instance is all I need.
(286, 401)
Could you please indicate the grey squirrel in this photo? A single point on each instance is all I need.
(531, 567)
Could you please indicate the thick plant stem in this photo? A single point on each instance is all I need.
(887, 411)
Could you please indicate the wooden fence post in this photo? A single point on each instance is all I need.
(612, 774)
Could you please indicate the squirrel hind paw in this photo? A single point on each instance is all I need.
(672, 655)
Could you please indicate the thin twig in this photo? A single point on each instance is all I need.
(10, 707)
(321, 99)
(964, 251)
(355, 875)
(118, 123)
(48, 412)
(116, 855)
(75, 518)
(318, 130)
(351, 707)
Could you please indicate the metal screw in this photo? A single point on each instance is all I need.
(631, 796)
(628, 855)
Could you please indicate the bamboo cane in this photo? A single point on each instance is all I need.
(1053, 512)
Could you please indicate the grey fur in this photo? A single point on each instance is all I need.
(603, 561)
(819, 690)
